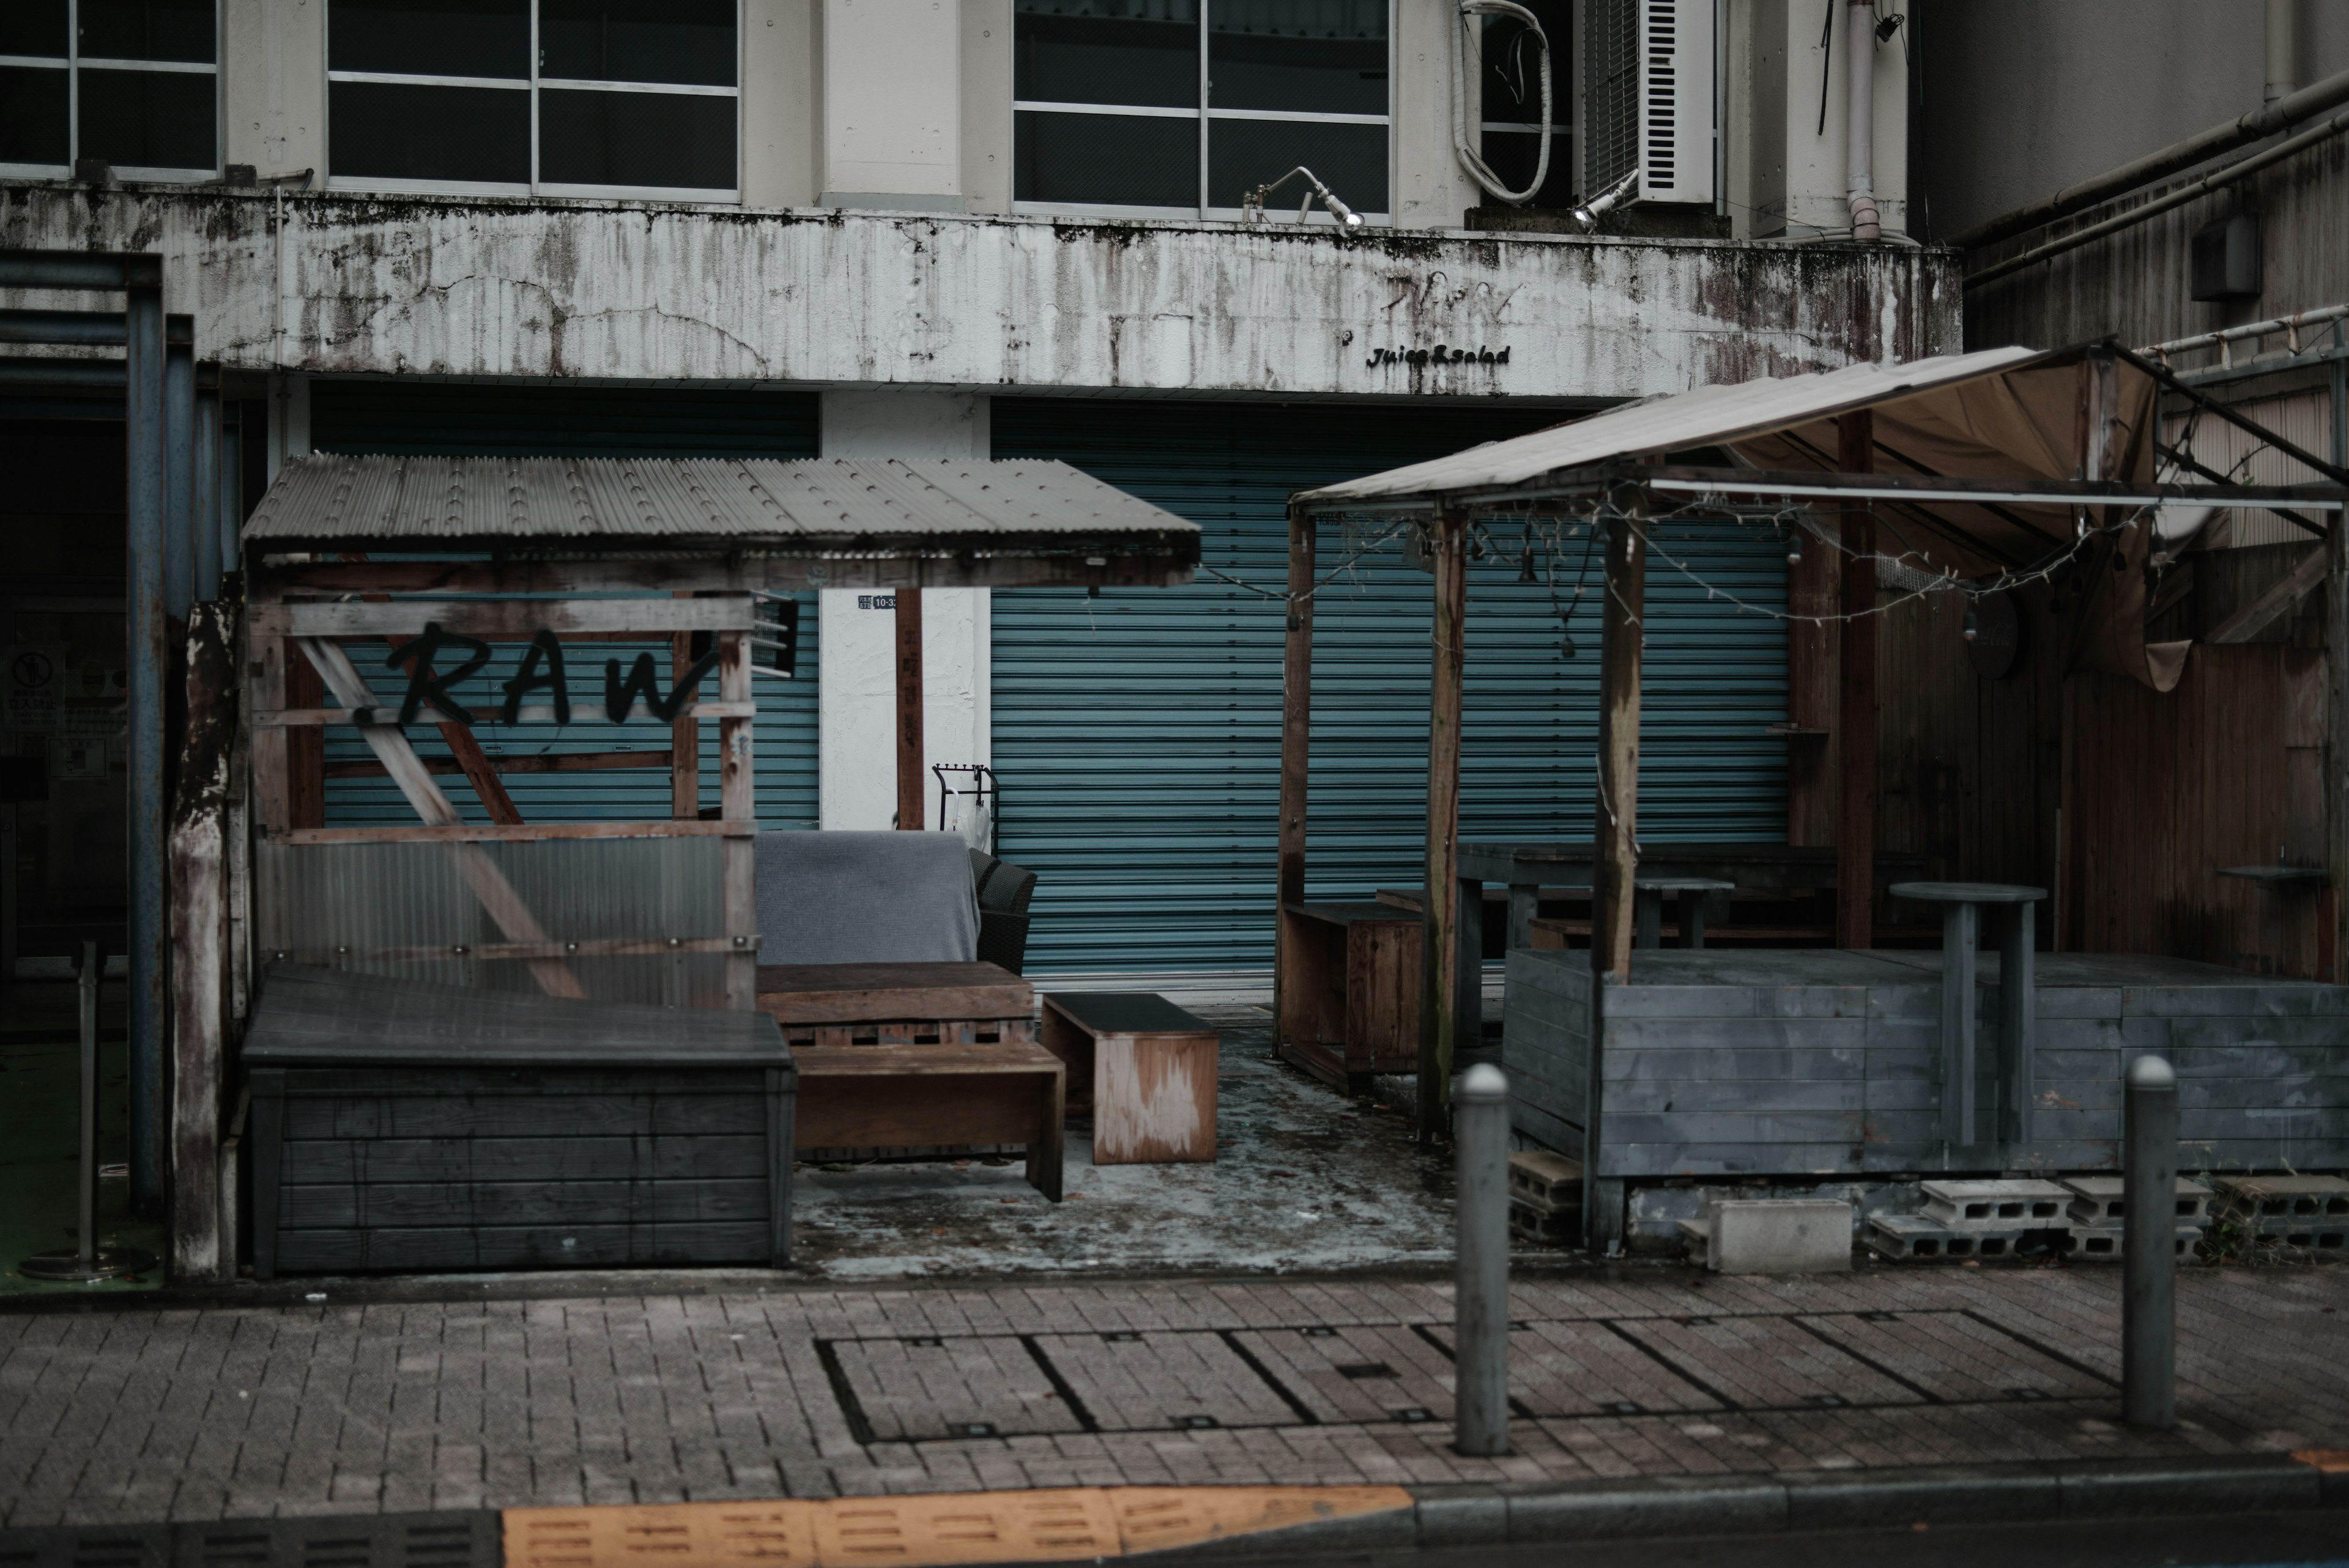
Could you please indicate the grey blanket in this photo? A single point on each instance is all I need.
(865, 898)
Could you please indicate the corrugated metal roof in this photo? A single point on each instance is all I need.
(583, 502)
(1705, 417)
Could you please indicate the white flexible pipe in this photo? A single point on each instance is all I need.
(1860, 144)
(1462, 144)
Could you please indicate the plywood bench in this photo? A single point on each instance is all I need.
(1350, 990)
(896, 1095)
(827, 1004)
(832, 1005)
(1143, 1067)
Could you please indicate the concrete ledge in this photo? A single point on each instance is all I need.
(1843, 1500)
(1397, 1530)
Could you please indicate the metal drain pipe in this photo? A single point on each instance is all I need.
(1859, 121)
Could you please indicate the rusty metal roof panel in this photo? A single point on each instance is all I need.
(420, 502)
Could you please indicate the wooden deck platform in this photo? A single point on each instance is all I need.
(1828, 1062)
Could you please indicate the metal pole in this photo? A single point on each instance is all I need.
(204, 506)
(179, 466)
(87, 1261)
(2149, 1248)
(143, 409)
(85, 1242)
(1480, 1121)
(232, 486)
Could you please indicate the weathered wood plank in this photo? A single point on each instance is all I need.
(548, 1159)
(523, 1247)
(377, 1205)
(593, 1115)
(864, 992)
(506, 619)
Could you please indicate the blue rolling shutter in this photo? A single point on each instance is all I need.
(551, 420)
(1137, 734)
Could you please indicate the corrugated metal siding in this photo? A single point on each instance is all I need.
(547, 419)
(2302, 416)
(1137, 734)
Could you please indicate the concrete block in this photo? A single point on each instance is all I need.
(1917, 1236)
(2021, 1204)
(1545, 1180)
(2213, 1483)
(2103, 1244)
(2096, 1200)
(1672, 1506)
(1452, 1519)
(1699, 1236)
(2298, 1197)
(1551, 1226)
(1844, 1500)
(1778, 1236)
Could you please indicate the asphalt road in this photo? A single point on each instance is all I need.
(2311, 1538)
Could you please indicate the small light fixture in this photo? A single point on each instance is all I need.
(1252, 204)
(1624, 189)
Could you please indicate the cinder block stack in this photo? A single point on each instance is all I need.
(2310, 1211)
(1544, 1198)
(2096, 1215)
(1972, 1218)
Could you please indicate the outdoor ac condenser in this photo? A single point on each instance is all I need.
(1648, 97)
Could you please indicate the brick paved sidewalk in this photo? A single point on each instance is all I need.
(138, 1414)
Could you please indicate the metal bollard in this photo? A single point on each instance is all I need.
(2149, 1245)
(1480, 1122)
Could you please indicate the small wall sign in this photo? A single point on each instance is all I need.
(1442, 354)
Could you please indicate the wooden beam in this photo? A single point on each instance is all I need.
(684, 739)
(529, 833)
(1856, 731)
(304, 755)
(2332, 933)
(2281, 598)
(470, 760)
(1813, 584)
(909, 709)
(199, 930)
(1296, 750)
(1615, 858)
(512, 619)
(543, 762)
(948, 565)
(310, 718)
(1441, 919)
(738, 809)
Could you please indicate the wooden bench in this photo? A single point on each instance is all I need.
(1350, 990)
(831, 1006)
(1143, 1067)
(894, 1095)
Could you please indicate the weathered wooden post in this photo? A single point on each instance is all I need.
(1296, 750)
(909, 708)
(2149, 1247)
(1444, 919)
(1615, 851)
(1855, 726)
(1480, 1334)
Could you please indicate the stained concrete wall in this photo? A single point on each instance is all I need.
(1795, 160)
(515, 287)
(892, 104)
(781, 96)
(858, 681)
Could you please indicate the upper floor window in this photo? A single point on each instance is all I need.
(553, 96)
(1157, 106)
(133, 83)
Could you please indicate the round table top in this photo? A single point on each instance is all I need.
(1684, 884)
(1967, 892)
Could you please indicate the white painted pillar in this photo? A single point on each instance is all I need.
(893, 105)
(289, 418)
(856, 680)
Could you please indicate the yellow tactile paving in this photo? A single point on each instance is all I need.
(1061, 1524)
(2331, 1461)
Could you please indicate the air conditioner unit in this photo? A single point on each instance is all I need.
(1648, 97)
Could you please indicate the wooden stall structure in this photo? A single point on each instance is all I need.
(1976, 479)
(375, 583)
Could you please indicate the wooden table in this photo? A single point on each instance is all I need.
(1689, 892)
(1144, 1068)
(2017, 999)
(400, 1126)
(886, 1096)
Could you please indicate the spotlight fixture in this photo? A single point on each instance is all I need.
(1252, 204)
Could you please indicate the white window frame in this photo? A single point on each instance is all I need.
(708, 194)
(74, 62)
(1205, 114)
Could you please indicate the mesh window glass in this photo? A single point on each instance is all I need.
(430, 38)
(638, 41)
(1143, 52)
(1318, 57)
(145, 30)
(33, 27)
(401, 133)
(148, 119)
(1351, 159)
(33, 123)
(653, 139)
(1118, 159)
